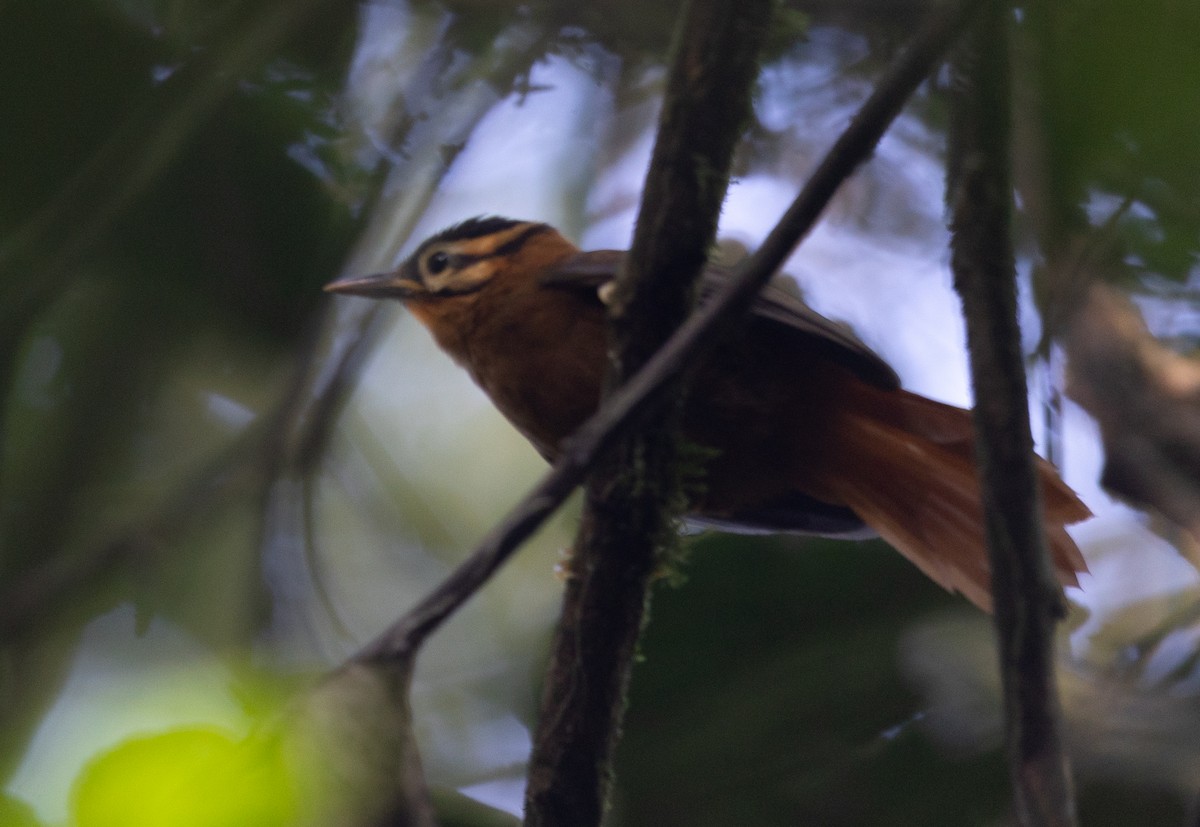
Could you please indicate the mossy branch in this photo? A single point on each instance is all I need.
(633, 494)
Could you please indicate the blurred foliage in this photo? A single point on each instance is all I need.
(772, 693)
(1119, 90)
(15, 813)
(160, 266)
(179, 180)
(189, 778)
(795, 682)
(212, 267)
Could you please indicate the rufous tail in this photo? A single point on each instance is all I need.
(908, 471)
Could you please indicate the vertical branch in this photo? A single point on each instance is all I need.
(634, 494)
(1027, 599)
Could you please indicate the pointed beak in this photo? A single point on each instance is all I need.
(379, 286)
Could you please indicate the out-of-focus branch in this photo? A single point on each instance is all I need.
(1028, 601)
(350, 741)
(46, 590)
(438, 110)
(1146, 399)
(291, 436)
(1144, 396)
(63, 232)
(1137, 726)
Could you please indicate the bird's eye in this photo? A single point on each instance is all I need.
(437, 262)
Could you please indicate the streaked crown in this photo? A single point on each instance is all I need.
(457, 261)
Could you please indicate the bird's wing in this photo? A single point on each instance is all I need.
(597, 268)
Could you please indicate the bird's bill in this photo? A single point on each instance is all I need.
(379, 286)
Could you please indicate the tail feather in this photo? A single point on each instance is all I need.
(910, 476)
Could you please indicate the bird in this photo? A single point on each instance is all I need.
(807, 430)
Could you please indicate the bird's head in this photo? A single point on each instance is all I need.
(461, 260)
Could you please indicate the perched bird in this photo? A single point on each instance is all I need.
(811, 430)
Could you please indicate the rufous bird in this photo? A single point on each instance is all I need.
(811, 430)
